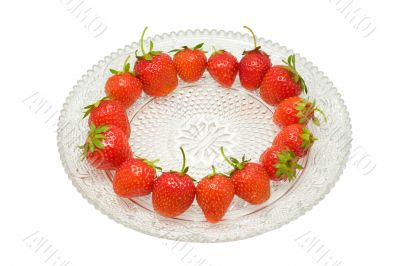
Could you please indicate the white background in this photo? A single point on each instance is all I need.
(45, 49)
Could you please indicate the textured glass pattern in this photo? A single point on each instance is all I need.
(202, 117)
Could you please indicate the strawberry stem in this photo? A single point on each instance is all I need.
(235, 163)
(214, 170)
(141, 41)
(254, 36)
(125, 68)
(226, 158)
(147, 56)
(184, 168)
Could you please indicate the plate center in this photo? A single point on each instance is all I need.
(201, 119)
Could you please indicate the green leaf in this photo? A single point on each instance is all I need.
(151, 45)
(316, 121)
(174, 50)
(101, 129)
(198, 46)
(127, 67)
(186, 169)
(234, 160)
(98, 143)
(91, 146)
(113, 71)
(99, 136)
(85, 152)
(92, 127)
(302, 120)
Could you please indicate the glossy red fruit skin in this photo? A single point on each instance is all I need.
(252, 183)
(111, 112)
(277, 85)
(290, 137)
(157, 75)
(173, 194)
(252, 68)
(223, 68)
(190, 64)
(116, 150)
(214, 195)
(268, 159)
(125, 88)
(286, 114)
(134, 178)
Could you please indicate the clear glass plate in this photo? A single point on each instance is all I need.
(202, 117)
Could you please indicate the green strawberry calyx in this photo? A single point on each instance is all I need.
(125, 68)
(291, 67)
(306, 110)
(214, 173)
(146, 56)
(308, 138)
(256, 47)
(89, 108)
(196, 47)
(215, 51)
(152, 164)
(235, 163)
(94, 139)
(287, 165)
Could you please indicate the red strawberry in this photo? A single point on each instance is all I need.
(295, 110)
(223, 67)
(253, 66)
(135, 177)
(156, 71)
(251, 180)
(108, 112)
(282, 82)
(295, 137)
(106, 147)
(214, 193)
(281, 164)
(190, 63)
(173, 192)
(123, 86)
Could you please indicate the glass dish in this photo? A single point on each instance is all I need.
(202, 117)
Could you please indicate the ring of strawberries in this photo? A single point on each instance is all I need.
(156, 74)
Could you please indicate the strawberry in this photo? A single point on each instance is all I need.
(280, 163)
(282, 82)
(253, 66)
(295, 137)
(135, 177)
(108, 112)
(295, 110)
(173, 192)
(251, 180)
(106, 147)
(223, 67)
(156, 71)
(190, 63)
(123, 86)
(214, 194)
